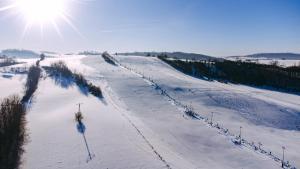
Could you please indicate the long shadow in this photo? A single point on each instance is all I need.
(62, 81)
(81, 129)
(66, 82)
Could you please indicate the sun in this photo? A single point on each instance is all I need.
(41, 11)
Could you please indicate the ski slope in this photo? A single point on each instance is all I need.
(269, 117)
(135, 126)
(55, 141)
(111, 135)
(202, 146)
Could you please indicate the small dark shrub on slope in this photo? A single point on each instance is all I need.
(108, 58)
(95, 90)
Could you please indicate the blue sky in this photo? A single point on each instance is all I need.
(213, 27)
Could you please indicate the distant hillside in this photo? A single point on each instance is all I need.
(175, 55)
(285, 56)
(89, 53)
(20, 53)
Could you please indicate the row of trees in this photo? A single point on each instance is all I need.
(12, 131)
(61, 69)
(106, 56)
(241, 72)
(32, 81)
(12, 119)
(6, 61)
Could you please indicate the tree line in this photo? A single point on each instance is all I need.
(248, 73)
(12, 122)
(61, 69)
(106, 56)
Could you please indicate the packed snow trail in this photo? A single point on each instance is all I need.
(143, 136)
(201, 146)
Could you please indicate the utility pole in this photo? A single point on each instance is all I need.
(240, 135)
(79, 106)
(282, 162)
(211, 118)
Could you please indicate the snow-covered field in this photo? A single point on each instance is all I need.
(135, 126)
(281, 62)
(269, 117)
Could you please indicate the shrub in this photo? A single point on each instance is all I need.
(61, 68)
(94, 90)
(108, 58)
(6, 61)
(31, 85)
(80, 80)
(42, 57)
(12, 131)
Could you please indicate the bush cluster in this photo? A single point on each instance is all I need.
(61, 69)
(81, 81)
(12, 132)
(31, 84)
(108, 58)
(6, 61)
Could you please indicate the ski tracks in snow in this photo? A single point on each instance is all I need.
(221, 130)
(154, 150)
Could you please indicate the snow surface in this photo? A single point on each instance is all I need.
(11, 83)
(261, 60)
(269, 117)
(135, 126)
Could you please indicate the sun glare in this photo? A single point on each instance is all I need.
(41, 11)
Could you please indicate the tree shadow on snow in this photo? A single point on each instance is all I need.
(62, 81)
(66, 83)
(81, 129)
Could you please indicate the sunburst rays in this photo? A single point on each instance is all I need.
(41, 13)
